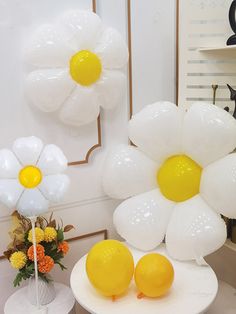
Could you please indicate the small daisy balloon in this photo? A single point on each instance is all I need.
(31, 176)
(78, 65)
(177, 181)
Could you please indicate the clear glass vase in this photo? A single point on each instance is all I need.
(47, 292)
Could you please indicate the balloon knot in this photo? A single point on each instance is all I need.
(113, 298)
(140, 295)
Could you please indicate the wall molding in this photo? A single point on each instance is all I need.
(95, 146)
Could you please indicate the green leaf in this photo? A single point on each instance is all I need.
(30, 268)
(45, 278)
(60, 235)
(17, 280)
(54, 246)
(61, 265)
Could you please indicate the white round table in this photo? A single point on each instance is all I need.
(193, 291)
(63, 303)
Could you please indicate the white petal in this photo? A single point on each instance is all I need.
(10, 192)
(54, 187)
(27, 149)
(32, 203)
(111, 89)
(112, 49)
(218, 185)
(52, 160)
(48, 89)
(48, 47)
(80, 108)
(128, 172)
(142, 220)
(9, 165)
(194, 231)
(156, 130)
(83, 28)
(209, 133)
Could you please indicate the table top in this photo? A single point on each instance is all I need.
(193, 291)
(63, 303)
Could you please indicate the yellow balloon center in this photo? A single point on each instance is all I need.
(30, 177)
(179, 178)
(85, 67)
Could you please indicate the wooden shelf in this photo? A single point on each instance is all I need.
(229, 244)
(223, 48)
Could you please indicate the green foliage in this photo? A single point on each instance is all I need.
(24, 273)
(45, 278)
(61, 265)
(60, 235)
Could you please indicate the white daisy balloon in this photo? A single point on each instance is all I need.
(31, 175)
(177, 180)
(79, 67)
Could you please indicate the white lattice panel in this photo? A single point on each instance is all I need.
(205, 24)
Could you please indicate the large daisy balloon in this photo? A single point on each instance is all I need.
(31, 176)
(178, 179)
(79, 67)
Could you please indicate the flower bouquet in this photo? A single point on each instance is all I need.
(51, 247)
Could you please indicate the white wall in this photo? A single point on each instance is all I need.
(153, 38)
(153, 60)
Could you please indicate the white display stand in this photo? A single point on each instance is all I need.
(63, 303)
(193, 291)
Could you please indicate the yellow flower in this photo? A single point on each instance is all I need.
(39, 235)
(18, 260)
(50, 234)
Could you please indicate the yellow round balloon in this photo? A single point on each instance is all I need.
(110, 267)
(154, 275)
(179, 178)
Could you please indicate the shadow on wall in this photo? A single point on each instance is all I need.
(223, 263)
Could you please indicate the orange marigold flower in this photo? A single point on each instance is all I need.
(63, 247)
(46, 264)
(40, 252)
